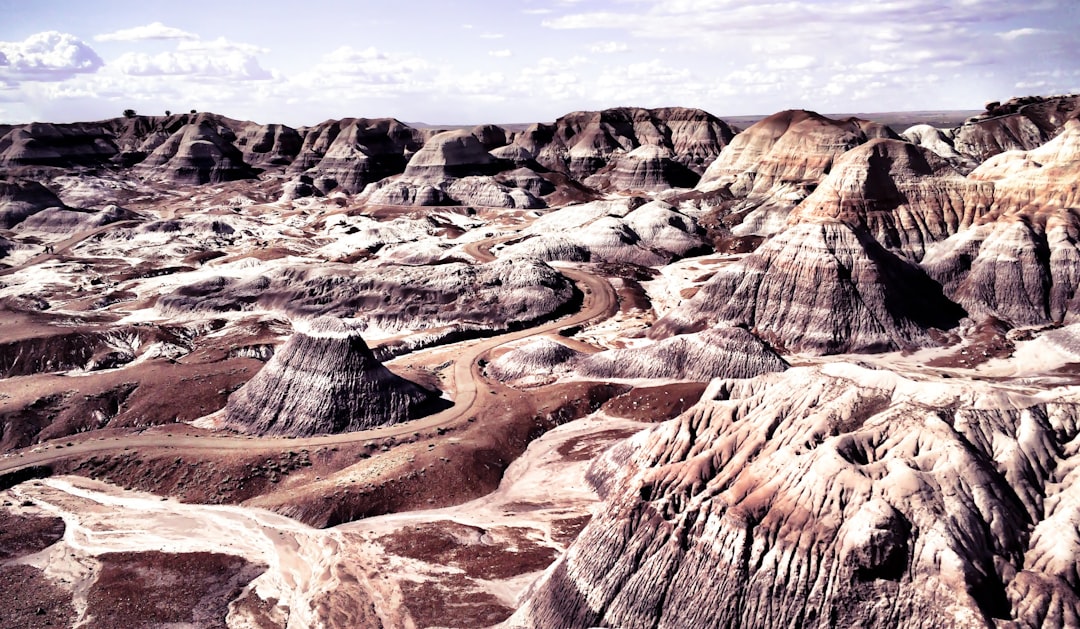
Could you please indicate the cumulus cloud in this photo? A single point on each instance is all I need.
(154, 30)
(500, 53)
(608, 47)
(49, 56)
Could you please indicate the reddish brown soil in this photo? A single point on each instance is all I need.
(987, 341)
(565, 531)
(152, 588)
(22, 535)
(499, 553)
(590, 447)
(656, 404)
(32, 600)
(452, 602)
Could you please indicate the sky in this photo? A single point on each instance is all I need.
(471, 61)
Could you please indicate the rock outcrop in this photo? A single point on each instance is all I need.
(1019, 124)
(831, 496)
(323, 380)
(269, 145)
(61, 220)
(454, 168)
(21, 198)
(45, 144)
(779, 161)
(489, 297)
(820, 287)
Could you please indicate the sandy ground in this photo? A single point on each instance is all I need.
(472, 561)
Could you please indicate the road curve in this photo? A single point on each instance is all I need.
(472, 394)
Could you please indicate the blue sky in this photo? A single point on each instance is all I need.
(456, 62)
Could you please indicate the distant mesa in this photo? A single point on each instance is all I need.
(324, 380)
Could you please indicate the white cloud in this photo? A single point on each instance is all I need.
(233, 65)
(536, 11)
(492, 36)
(49, 56)
(500, 53)
(154, 30)
(1020, 32)
(221, 45)
(608, 47)
(793, 62)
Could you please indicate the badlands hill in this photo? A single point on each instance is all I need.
(631, 368)
(324, 379)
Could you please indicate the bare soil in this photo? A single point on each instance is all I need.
(153, 589)
(22, 535)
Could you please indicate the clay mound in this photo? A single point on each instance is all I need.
(324, 380)
(198, 154)
(20, 199)
(269, 145)
(651, 234)
(777, 162)
(905, 196)
(1019, 124)
(831, 497)
(353, 152)
(822, 288)
(58, 220)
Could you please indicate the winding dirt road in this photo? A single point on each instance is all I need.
(472, 393)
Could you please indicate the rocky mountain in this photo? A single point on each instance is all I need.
(324, 380)
(831, 496)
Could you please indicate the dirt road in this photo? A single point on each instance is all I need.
(471, 394)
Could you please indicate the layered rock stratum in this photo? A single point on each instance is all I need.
(324, 380)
